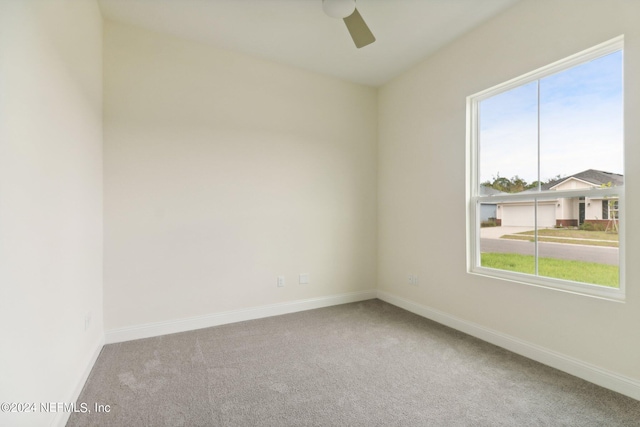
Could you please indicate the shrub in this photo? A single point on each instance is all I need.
(592, 226)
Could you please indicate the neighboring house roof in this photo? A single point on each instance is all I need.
(489, 191)
(591, 176)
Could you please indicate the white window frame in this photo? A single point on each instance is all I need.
(474, 198)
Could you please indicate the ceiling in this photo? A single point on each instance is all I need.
(298, 33)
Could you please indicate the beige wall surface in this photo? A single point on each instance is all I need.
(422, 182)
(223, 172)
(50, 201)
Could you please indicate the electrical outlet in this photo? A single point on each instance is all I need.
(413, 279)
(304, 278)
(281, 281)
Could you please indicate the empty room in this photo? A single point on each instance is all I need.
(319, 212)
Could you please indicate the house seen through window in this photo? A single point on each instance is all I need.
(546, 175)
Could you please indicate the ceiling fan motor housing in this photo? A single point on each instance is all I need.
(338, 8)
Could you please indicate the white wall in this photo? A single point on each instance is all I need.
(223, 172)
(50, 201)
(422, 182)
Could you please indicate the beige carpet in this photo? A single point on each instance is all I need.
(361, 364)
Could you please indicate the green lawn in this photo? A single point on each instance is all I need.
(585, 272)
(555, 235)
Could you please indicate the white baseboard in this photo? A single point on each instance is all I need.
(570, 365)
(181, 325)
(62, 417)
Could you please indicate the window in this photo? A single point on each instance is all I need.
(546, 152)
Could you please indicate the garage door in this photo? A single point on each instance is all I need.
(547, 215)
(523, 215)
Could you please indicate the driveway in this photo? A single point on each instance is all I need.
(497, 232)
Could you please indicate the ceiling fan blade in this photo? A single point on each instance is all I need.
(360, 33)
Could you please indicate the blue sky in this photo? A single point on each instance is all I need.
(581, 116)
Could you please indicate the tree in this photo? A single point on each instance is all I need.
(515, 184)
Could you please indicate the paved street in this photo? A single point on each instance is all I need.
(491, 242)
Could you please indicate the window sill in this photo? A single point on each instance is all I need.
(581, 289)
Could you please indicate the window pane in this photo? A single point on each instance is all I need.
(561, 134)
(508, 139)
(581, 117)
(507, 246)
(586, 252)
